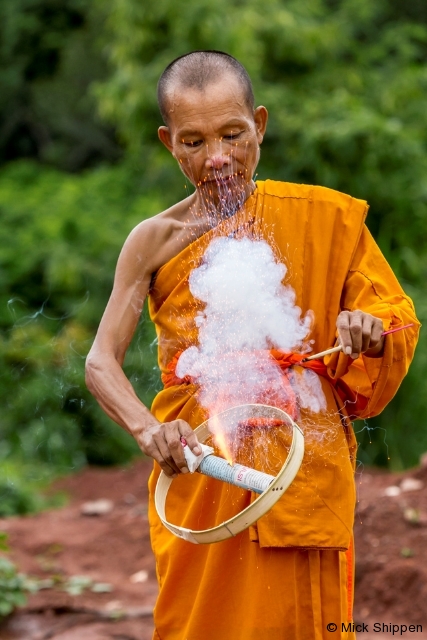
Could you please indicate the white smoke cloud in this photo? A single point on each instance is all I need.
(248, 311)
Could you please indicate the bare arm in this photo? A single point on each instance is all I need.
(141, 255)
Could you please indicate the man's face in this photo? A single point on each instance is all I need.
(214, 135)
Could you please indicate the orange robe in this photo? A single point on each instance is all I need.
(292, 573)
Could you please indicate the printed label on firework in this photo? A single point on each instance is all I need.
(236, 474)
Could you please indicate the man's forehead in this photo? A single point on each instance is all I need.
(222, 100)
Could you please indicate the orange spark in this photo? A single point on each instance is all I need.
(220, 440)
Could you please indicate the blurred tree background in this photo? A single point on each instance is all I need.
(345, 82)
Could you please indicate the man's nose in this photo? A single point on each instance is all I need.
(217, 161)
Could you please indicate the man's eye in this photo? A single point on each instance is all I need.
(193, 143)
(231, 136)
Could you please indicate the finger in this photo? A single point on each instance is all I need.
(166, 461)
(343, 326)
(173, 441)
(376, 333)
(190, 437)
(154, 452)
(356, 333)
(367, 326)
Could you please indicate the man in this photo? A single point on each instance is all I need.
(292, 574)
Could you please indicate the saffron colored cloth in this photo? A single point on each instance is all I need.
(291, 574)
(285, 362)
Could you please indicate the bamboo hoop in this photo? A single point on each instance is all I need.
(256, 509)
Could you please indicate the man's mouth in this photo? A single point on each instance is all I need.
(220, 179)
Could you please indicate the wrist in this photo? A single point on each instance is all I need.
(142, 423)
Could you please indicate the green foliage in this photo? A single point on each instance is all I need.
(13, 587)
(48, 57)
(23, 488)
(60, 238)
(15, 499)
(3, 541)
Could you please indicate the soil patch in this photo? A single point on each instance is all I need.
(114, 548)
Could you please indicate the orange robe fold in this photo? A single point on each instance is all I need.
(290, 574)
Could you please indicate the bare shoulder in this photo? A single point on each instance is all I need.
(155, 241)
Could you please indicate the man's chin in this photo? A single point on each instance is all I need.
(220, 181)
(222, 200)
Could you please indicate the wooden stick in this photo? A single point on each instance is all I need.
(323, 353)
(339, 346)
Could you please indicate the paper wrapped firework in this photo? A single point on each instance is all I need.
(218, 468)
(271, 491)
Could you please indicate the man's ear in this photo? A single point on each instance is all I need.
(165, 137)
(261, 119)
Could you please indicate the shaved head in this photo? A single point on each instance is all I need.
(198, 69)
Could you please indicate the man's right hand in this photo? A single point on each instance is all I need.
(162, 441)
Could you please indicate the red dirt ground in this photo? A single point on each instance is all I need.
(391, 549)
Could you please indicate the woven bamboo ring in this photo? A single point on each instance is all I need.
(258, 507)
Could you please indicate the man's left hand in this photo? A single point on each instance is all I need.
(359, 332)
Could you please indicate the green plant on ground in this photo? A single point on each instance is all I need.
(14, 586)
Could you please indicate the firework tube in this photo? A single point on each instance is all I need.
(218, 468)
(236, 474)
